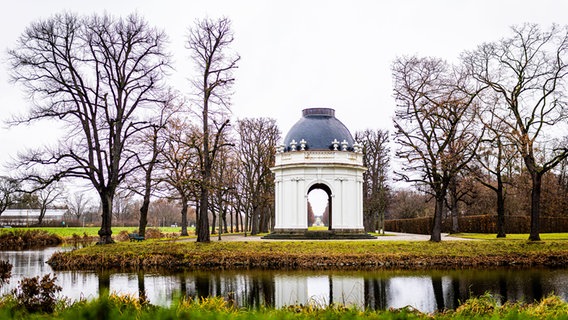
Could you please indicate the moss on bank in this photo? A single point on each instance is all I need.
(313, 255)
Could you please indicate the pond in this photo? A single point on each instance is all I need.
(426, 290)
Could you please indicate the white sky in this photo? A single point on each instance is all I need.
(295, 54)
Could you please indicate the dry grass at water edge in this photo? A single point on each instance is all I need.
(115, 306)
(315, 254)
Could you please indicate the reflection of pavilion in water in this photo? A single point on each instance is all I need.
(426, 292)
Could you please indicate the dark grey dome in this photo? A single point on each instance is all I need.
(318, 127)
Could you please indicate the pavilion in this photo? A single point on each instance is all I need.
(319, 152)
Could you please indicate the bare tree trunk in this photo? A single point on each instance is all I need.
(225, 229)
(535, 206)
(239, 219)
(197, 212)
(203, 220)
(454, 205)
(145, 202)
(184, 216)
(231, 215)
(500, 208)
(213, 222)
(255, 220)
(41, 215)
(246, 223)
(436, 235)
(143, 217)
(105, 233)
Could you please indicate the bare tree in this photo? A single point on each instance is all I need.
(209, 43)
(494, 157)
(528, 71)
(78, 204)
(47, 196)
(9, 190)
(257, 149)
(93, 74)
(123, 205)
(434, 126)
(150, 144)
(179, 165)
(223, 181)
(376, 159)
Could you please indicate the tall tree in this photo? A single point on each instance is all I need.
(209, 43)
(257, 152)
(93, 75)
(179, 164)
(376, 159)
(223, 181)
(529, 71)
(434, 126)
(494, 158)
(149, 146)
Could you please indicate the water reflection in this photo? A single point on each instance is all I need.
(424, 290)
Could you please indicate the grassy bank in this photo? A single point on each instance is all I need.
(315, 254)
(128, 307)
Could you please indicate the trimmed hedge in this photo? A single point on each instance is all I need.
(478, 224)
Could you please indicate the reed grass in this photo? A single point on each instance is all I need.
(128, 307)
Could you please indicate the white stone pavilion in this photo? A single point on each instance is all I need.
(319, 152)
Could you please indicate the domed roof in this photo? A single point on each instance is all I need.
(319, 128)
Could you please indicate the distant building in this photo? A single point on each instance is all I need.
(24, 217)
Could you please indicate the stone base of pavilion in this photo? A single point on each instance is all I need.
(302, 234)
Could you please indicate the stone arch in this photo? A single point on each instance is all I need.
(327, 189)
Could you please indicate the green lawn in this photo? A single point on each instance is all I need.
(67, 232)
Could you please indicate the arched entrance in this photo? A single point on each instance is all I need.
(321, 205)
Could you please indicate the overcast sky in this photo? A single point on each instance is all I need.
(295, 54)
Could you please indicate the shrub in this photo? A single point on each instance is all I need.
(36, 295)
(484, 305)
(154, 233)
(122, 236)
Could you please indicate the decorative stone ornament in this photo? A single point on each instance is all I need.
(335, 144)
(332, 162)
(344, 145)
(303, 145)
(293, 145)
